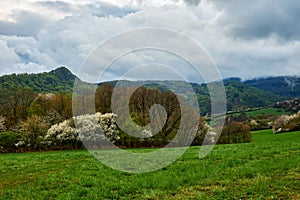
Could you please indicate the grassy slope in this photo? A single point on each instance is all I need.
(268, 111)
(267, 168)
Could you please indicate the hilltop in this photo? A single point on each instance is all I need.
(60, 79)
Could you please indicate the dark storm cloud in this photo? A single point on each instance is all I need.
(261, 18)
(25, 23)
(192, 2)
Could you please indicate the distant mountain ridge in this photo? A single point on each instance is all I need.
(287, 86)
(251, 93)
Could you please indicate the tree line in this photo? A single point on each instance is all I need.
(27, 116)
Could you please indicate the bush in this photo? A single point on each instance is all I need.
(235, 132)
(34, 127)
(287, 123)
(8, 141)
(33, 130)
(260, 124)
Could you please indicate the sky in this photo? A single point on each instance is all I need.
(245, 39)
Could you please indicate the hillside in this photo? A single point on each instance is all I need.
(251, 93)
(239, 95)
(60, 79)
(287, 86)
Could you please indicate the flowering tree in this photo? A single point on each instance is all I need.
(97, 130)
(92, 130)
(287, 123)
(63, 133)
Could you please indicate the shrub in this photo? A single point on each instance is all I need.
(287, 123)
(8, 141)
(260, 124)
(34, 127)
(235, 132)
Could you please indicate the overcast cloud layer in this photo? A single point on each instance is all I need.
(244, 38)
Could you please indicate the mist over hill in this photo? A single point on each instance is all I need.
(287, 86)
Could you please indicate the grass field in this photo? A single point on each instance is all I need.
(268, 168)
(267, 111)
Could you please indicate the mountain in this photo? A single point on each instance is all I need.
(251, 93)
(286, 86)
(60, 79)
(238, 95)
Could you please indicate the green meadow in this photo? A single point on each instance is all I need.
(267, 111)
(267, 168)
(264, 111)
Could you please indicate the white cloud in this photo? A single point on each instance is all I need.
(40, 35)
(25, 23)
(7, 57)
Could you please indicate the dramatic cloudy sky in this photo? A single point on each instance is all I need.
(244, 38)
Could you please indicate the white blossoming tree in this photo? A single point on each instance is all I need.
(93, 130)
(287, 123)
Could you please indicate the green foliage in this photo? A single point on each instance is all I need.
(283, 86)
(238, 93)
(60, 79)
(8, 141)
(20, 103)
(242, 95)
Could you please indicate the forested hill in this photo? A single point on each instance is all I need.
(251, 93)
(240, 95)
(60, 79)
(287, 86)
